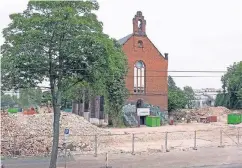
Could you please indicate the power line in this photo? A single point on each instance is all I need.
(158, 76)
(176, 71)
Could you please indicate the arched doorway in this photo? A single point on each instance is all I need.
(139, 103)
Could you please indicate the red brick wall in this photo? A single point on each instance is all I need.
(156, 80)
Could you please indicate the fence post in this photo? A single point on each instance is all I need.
(166, 139)
(95, 146)
(238, 136)
(132, 144)
(14, 145)
(221, 138)
(107, 160)
(195, 140)
(65, 153)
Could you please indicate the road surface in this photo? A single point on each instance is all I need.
(227, 157)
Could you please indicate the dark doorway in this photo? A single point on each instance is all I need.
(142, 120)
(140, 104)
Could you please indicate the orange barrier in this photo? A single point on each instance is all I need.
(29, 111)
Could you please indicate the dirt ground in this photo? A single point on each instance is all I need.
(179, 137)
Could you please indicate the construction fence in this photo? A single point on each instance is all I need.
(22, 146)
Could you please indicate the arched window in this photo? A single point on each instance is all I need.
(140, 44)
(140, 24)
(139, 77)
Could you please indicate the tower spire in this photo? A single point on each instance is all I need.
(139, 24)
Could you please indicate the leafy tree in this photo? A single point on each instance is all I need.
(171, 83)
(176, 97)
(30, 97)
(222, 99)
(63, 42)
(8, 101)
(46, 97)
(116, 91)
(232, 85)
(190, 95)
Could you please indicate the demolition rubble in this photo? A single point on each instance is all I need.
(196, 114)
(30, 135)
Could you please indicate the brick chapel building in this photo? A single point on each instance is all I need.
(146, 80)
(147, 75)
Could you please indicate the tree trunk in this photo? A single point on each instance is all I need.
(82, 104)
(75, 107)
(80, 108)
(92, 107)
(56, 101)
(97, 107)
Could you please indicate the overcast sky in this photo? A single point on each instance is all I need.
(197, 34)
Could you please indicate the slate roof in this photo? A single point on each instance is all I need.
(123, 40)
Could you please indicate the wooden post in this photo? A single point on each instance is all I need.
(95, 154)
(14, 145)
(65, 153)
(106, 159)
(221, 138)
(238, 135)
(132, 144)
(166, 139)
(195, 140)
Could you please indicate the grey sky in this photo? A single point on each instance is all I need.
(197, 34)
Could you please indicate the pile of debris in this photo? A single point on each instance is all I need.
(32, 134)
(195, 114)
(212, 111)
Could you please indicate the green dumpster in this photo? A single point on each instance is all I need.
(158, 121)
(234, 118)
(12, 110)
(152, 121)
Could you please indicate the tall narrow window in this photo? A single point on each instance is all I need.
(139, 77)
(140, 24)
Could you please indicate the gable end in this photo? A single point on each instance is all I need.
(165, 57)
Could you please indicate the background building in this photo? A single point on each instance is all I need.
(205, 97)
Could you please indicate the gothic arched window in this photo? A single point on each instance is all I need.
(139, 77)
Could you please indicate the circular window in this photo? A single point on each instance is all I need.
(139, 64)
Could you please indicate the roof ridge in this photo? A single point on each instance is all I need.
(123, 40)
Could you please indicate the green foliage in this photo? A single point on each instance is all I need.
(222, 99)
(63, 42)
(190, 95)
(171, 83)
(8, 101)
(232, 85)
(176, 97)
(30, 97)
(46, 97)
(116, 91)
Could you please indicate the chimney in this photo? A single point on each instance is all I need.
(166, 56)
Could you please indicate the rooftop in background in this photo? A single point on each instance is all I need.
(207, 90)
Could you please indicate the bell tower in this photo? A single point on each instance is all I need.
(139, 24)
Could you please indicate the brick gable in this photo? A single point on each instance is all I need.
(156, 66)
